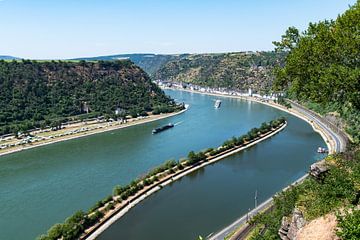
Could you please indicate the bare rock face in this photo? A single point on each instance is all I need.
(290, 227)
(318, 169)
(322, 228)
(284, 229)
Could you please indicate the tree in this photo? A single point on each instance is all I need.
(288, 41)
(322, 67)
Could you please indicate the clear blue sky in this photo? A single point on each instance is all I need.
(40, 29)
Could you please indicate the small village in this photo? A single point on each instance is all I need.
(221, 91)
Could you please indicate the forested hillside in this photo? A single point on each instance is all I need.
(240, 70)
(323, 67)
(34, 94)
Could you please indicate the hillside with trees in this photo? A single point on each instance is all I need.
(42, 93)
(322, 68)
(240, 70)
(322, 71)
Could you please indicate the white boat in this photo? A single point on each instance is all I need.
(322, 150)
(217, 104)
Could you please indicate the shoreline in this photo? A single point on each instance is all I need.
(93, 132)
(329, 141)
(236, 227)
(118, 213)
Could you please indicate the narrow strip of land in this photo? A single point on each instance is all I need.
(73, 132)
(120, 211)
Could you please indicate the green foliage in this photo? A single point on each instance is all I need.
(195, 157)
(349, 225)
(339, 188)
(167, 165)
(284, 203)
(163, 109)
(323, 66)
(289, 40)
(283, 102)
(37, 94)
(348, 113)
(94, 218)
(118, 190)
(228, 70)
(251, 135)
(110, 206)
(71, 229)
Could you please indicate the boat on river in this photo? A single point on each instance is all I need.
(217, 103)
(163, 128)
(322, 150)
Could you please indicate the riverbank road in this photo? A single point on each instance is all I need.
(241, 222)
(340, 139)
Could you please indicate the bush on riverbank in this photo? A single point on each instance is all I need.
(250, 136)
(167, 109)
(74, 226)
(282, 101)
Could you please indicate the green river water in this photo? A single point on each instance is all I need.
(43, 186)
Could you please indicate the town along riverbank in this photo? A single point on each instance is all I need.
(90, 225)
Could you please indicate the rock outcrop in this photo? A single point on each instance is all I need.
(319, 169)
(290, 226)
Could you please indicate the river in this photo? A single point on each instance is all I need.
(44, 185)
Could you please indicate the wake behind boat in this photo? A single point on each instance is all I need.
(163, 128)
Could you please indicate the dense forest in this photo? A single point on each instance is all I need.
(241, 70)
(322, 68)
(41, 93)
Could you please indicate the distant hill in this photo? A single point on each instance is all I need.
(38, 93)
(5, 57)
(239, 70)
(149, 62)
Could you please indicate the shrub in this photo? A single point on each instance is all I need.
(118, 190)
(349, 225)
